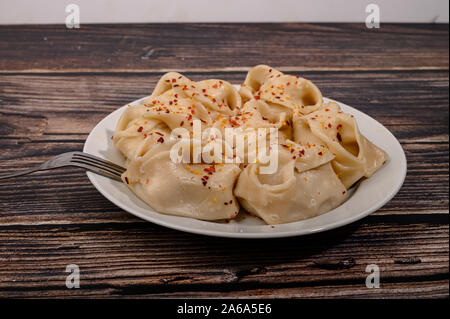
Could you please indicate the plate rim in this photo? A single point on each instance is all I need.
(93, 178)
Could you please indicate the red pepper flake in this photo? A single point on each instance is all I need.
(160, 134)
(140, 129)
(203, 90)
(181, 123)
(126, 180)
(225, 203)
(339, 137)
(339, 126)
(173, 80)
(179, 77)
(167, 80)
(327, 110)
(320, 153)
(160, 140)
(234, 123)
(270, 70)
(294, 157)
(210, 169)
(215, 86)
(329, 125)
(344, 192)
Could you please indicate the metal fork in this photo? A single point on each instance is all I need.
(79, 159)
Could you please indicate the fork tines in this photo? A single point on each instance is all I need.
(97, 165)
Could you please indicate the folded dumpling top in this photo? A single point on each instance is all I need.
(355, 155)
(282, 90)
(303, 186)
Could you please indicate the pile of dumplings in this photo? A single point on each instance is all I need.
(321, 152)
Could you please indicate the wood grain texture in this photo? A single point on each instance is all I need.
(143, 47)
(53, 91)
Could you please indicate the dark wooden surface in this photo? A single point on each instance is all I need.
(56, 84)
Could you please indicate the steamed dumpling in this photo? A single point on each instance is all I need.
(356, 156)
(304, 186)
(135, 134)
(216, 96)
(281, 90)
(198, 190)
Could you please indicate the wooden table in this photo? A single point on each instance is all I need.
(57, 83)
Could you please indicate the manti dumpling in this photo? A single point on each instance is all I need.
(197, 190)
(201, 191)
(282, 91)
(355, 155)
(304, 185)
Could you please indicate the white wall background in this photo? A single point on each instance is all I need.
(142, 11)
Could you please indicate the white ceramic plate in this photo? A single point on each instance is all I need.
(365, 198)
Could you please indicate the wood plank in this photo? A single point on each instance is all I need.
(231, 47)
(432, 289)
(158, 261)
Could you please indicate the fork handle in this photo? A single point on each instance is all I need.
(28, 171)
